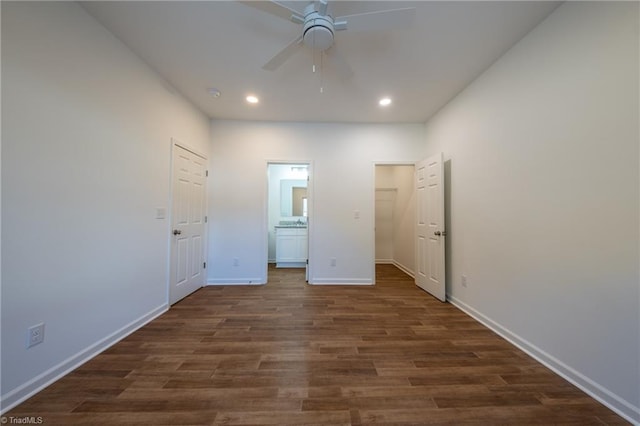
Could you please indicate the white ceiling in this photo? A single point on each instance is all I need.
(223, 44)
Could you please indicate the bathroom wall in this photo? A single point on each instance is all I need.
(276, 173)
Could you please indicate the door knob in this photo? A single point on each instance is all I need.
(438, 233)
(177, 232)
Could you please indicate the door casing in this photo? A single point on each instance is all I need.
(310, 210)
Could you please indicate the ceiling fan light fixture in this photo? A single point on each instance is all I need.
(318, 37)
(317, 31)
(384, 102)
(319, 27)
(252, 99)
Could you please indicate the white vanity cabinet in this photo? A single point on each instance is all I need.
(291, 247)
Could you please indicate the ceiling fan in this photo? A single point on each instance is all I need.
(319, 27)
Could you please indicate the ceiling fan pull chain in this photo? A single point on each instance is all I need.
(313, 52)
(321, 73)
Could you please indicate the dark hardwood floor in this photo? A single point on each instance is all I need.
(290, 353)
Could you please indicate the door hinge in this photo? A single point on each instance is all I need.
(206, 173)
(204, 265)
(205, 219)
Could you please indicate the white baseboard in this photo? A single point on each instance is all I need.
(593, 389)
(297, 265)
(235, 281)
(35, 385)
(397, 265)
(404, 269)
(341, 281)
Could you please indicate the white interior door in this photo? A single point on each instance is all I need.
(430, 231)
(188, 224)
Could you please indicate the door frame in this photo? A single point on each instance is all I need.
(170, 213)
(373, 206)
(265, 216)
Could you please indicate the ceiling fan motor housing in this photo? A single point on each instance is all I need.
(318, 27)
(318, 30)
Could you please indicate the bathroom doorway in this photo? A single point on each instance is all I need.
(395, 208)
(288, 208)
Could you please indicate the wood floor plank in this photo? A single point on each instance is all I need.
(288, 353)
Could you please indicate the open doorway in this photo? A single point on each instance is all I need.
(288, 215)
(395, 208)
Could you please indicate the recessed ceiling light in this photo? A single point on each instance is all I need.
(214, 92)
(252, 99)
(384, 101)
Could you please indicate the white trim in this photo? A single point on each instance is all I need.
(188, 147)
(310, 216)
(404, 269)
(297, 265)
(169, 222)
(236, 281)
(342, 281)
(373, 209)
(593, 389)
(395, 163)
(35, 385)
(397, 265)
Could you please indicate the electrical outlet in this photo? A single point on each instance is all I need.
(35, 335)
(463, 280)
(236, 261)
(333, 261)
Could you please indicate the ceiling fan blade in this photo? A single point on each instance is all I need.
(378, 21)
(339, 63)
(273, 8)
(283, 55)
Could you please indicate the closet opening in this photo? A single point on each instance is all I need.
(395, 208)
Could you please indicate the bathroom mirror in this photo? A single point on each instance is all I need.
(293, 192)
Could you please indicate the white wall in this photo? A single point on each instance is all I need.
(386, 192)
(86, 131)
(404, 219)
(542, 161)
(342, 160)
